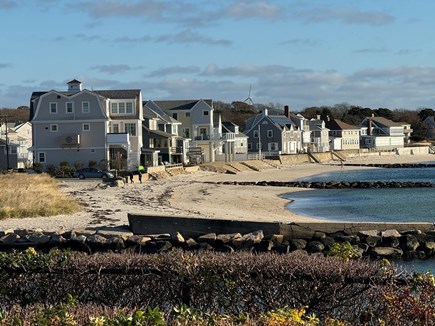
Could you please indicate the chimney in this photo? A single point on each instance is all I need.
(265, 112)
(328, 118)
(318, 117)
(287, 111)
(369, 128)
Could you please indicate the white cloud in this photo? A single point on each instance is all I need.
(173, 70)
(344, 15)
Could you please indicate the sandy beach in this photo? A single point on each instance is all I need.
(189, 195)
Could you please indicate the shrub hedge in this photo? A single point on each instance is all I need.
(262, 286)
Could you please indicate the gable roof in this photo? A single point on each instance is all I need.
(120, 94)
(336, 124)
(381, 121)
(170, 105)
(281, 121)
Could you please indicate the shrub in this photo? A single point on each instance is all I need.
(38, 167)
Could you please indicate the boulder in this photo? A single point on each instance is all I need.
(252, 238)
(209, 238)
(296, 244)
(315, 246)
(227, 238)
(368, 233)
(38, 238)
(140, 240)
(409, 242)
(155, 247)
(390, 242)
(390, 233)
(264, 246)
(96, 242)
(115, 243)
(387, 252)
(9, 238)
(328, 242)
(373, 240)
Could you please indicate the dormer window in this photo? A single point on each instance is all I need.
(121, 108)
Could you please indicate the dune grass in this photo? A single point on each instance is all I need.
(24, 195)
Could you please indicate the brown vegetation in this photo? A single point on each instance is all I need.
(33, 195)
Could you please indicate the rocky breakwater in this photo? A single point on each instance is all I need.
(332, 184)
(412, 244)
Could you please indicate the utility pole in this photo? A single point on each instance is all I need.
(259, 142)
(5, 120)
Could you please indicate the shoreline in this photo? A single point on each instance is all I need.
(189, 195)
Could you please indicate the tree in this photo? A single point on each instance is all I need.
(426, 112)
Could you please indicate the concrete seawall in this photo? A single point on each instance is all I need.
(193, 227)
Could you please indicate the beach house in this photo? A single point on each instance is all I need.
(343, 136)
(273, 134)
(82, 126)
(381, 134)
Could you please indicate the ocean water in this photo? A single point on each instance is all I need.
(371, 205)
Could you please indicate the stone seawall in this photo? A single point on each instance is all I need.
(383, 242)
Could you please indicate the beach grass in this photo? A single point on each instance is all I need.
(24, 195)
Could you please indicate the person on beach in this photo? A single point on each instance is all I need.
(140, 170)
(131, 176)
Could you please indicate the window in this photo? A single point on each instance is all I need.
(255, 133)
(86, 127)
(249, 146)
(175, 116)
(187, 114)
(85, 107)
(54, 127)
(129, 108)
(270, 134)
(130, 128)
(204, 113)
(186, 132)
(114, 128)
(53, 108)
(121, 108)
(41, 157)
(69, 107)
(114, 108)
(92, 150)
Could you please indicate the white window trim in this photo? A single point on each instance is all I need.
(269, 133)
(66, 107)
(255, 134)
(52, 125)
(127, 131)
(127, 108)
(114, 107)
(86, 124)
(55, 104)
(205, 113)
(83, 107)
(187, 114)
(39, 157)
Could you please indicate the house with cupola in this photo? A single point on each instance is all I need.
(80, 126)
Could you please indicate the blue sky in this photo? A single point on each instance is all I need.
(295, 52)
